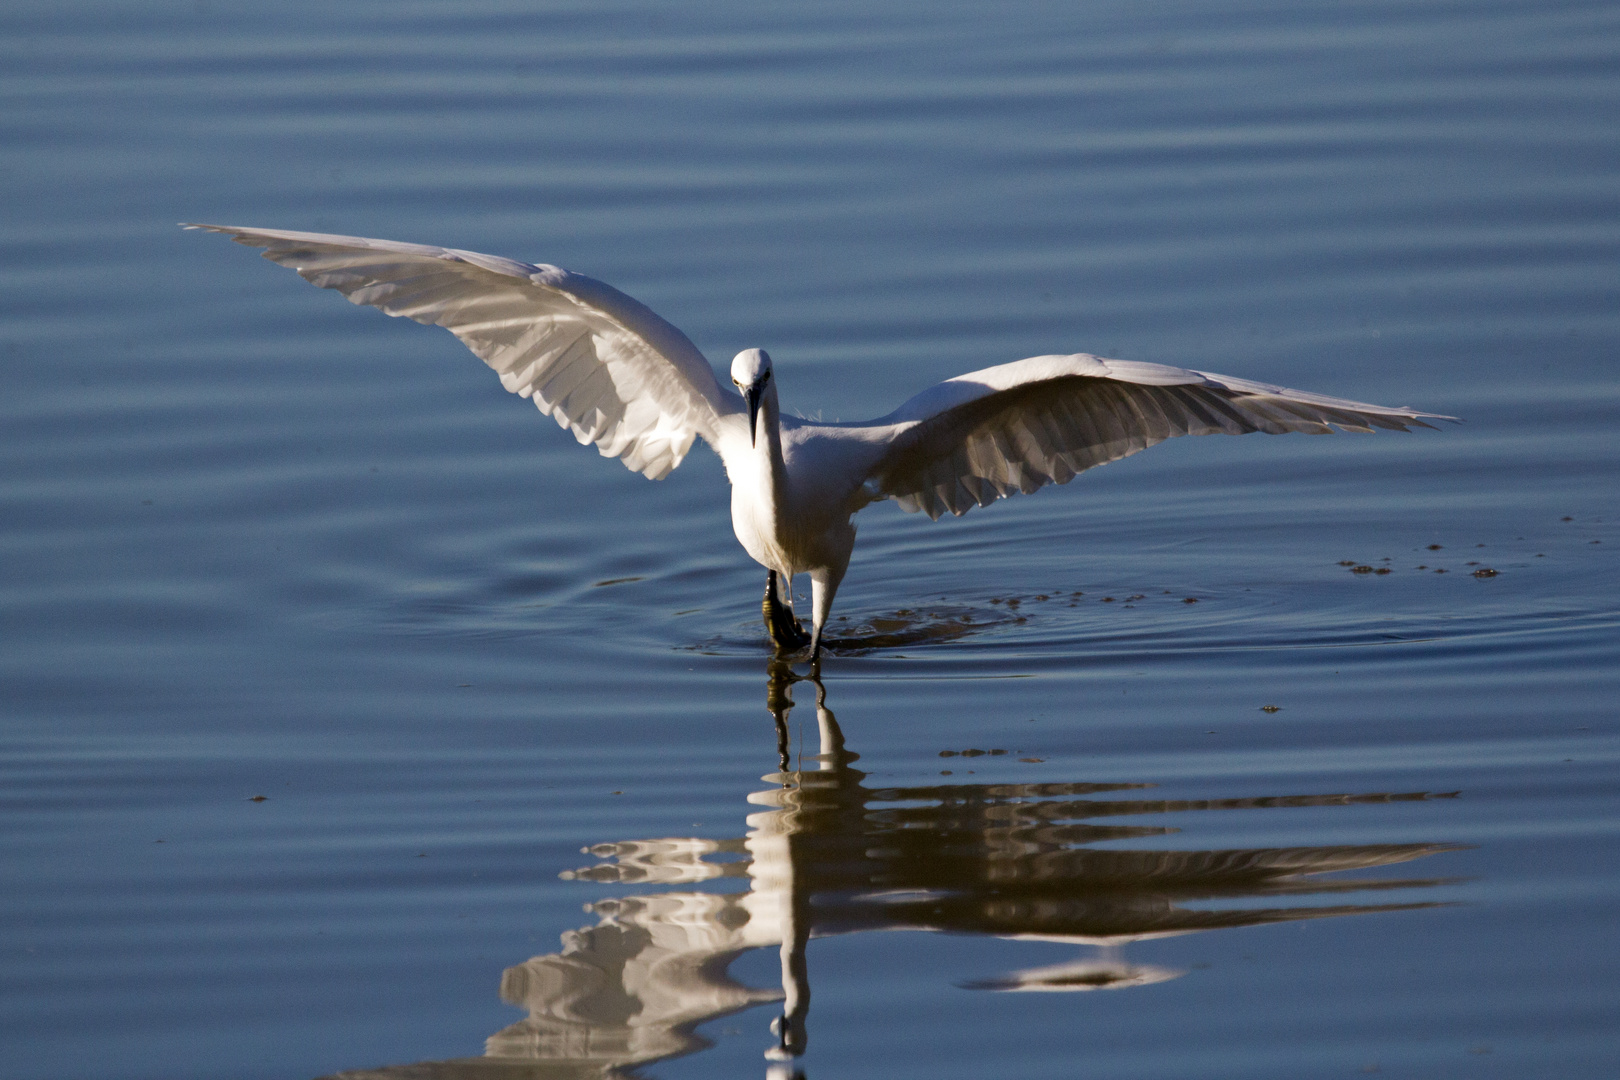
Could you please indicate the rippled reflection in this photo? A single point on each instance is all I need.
(831, 855)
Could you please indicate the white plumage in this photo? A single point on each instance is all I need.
(611, 371)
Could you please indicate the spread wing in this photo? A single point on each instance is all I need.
(1018, 427)
(602, 364)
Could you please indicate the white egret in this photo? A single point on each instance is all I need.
(608, 369)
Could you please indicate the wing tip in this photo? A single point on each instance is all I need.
(1417, 419)
(241, 234)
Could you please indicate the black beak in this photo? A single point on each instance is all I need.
(751, 395)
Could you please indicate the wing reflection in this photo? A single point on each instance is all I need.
(829, 854)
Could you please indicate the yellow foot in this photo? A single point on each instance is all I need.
(787, 634)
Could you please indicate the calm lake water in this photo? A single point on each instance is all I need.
(354, 721)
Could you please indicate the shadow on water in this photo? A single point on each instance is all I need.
(831, 855)
(890, 630)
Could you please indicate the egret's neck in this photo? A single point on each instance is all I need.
(768, 439)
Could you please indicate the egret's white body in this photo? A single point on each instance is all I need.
(618, 376)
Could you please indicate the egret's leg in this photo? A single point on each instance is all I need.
(786, 632)
(823, 587)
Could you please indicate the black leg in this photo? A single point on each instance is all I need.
(786, 632)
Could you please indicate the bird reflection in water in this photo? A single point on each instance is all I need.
(829, 854)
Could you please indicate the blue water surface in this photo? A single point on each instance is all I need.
(354, 720)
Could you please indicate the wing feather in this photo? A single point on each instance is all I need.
(598, 362)
(1021, 426)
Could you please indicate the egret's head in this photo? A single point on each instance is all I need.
(751, 374)
(752, 367)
